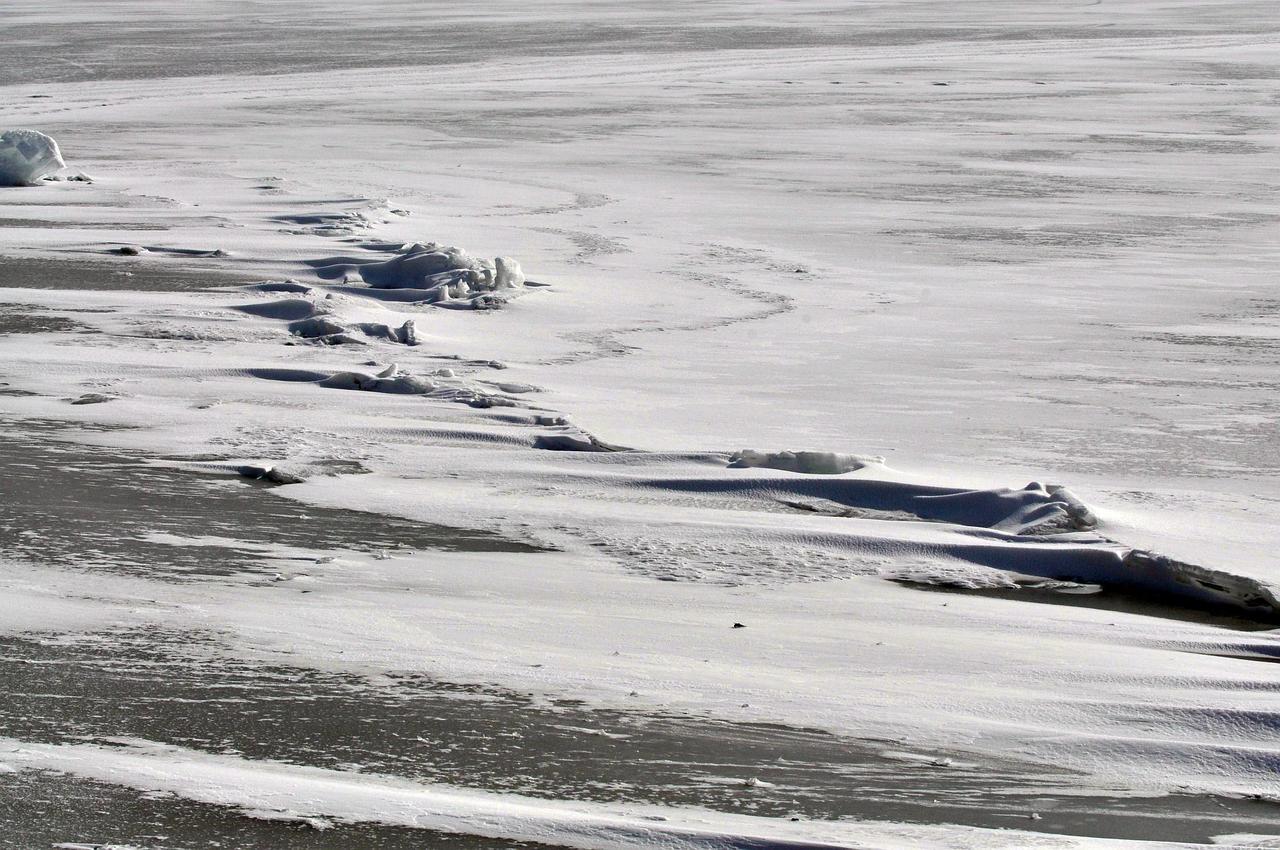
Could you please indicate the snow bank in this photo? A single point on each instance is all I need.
(1159, 573)
(425, 266)
(328, 331)
(26, 156)
(569, 443)
(1033, 509)
(812, 463)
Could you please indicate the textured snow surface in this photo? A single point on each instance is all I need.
(988, 289)
(308, 795)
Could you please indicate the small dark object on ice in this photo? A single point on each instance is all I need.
(739, 626)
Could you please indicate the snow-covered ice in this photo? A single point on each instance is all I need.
(987, 288)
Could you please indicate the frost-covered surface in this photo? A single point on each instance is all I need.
(26, 156)
(986, 286)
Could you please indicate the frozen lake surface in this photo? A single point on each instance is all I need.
(876, 440)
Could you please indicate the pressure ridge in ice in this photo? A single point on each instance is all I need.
(425, 266)
(442, 273)
(26, 156)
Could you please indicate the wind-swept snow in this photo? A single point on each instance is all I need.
(987, 286)
(282, 792)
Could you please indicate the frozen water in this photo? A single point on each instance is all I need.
(978, 244)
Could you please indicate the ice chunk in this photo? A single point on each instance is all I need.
(450, 272)
(92, 398)
(408, 333)
(399, 384)
(26, 156)
(269, 473)
(316, 327)
(1155, 572)
(568, 443)
(813, 463)
(421, 267)
(508, 274)
(1079, 512)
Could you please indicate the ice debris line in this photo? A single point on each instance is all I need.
(26, 156)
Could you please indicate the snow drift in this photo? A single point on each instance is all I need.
(323, 798)
(26, 156)
(316, 318)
